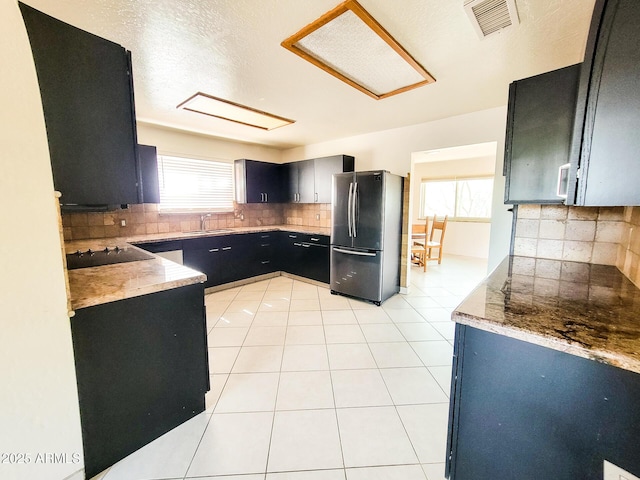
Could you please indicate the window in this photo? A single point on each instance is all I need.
(461, 198)
(192, 184)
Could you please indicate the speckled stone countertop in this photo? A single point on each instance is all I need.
(592, 311)
(96, 285)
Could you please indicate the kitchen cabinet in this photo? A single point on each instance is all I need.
(221, 258)
(258, 182)
(519, 410)
(309, 181)
(605, 166)
(142, 369)
(539, 135)
(300, 181)
(305, 255)
(324, 168)
(262, 255)
(148, 171)
(230, 258)
(87, 97)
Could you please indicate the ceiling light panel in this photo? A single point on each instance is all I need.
(234, 112)
(351, 45)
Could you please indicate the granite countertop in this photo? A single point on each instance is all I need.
(592, 311)
(107, 283)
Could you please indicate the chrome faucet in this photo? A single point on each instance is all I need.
(203, 219)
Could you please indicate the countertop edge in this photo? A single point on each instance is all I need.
(462, 315)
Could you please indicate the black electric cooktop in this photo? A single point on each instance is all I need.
(106, 256)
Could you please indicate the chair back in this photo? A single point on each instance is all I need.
(440, 225)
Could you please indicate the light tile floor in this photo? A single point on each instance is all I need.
(310, 386)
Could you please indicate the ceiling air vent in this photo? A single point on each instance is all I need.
(491, 16)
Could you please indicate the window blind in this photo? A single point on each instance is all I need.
(194, 184)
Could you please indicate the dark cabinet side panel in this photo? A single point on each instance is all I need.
(526, 411)
(610, 166)
(142, 369)
(85, 85)
(148, 170)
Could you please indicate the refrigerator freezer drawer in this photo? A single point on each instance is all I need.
(357, 273)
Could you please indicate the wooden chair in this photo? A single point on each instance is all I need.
(419, 237)
(440, 225)
(423, 250)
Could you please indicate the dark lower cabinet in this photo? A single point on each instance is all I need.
(230, 258)
(142, 369)
(520, 410)
(305, 255)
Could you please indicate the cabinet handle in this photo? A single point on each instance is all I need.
(306, 245)
(226, 248)
(293, 236)
(266, 197)
(214, 250)
(316, 197)
(297, 244)
(265, 262)
(562, 190)
(265, 244)
(314, 239)
(265, 236)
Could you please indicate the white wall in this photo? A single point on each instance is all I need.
(391, 150)
(39, 403)
(170, 141)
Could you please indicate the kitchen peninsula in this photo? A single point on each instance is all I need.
(546, 373)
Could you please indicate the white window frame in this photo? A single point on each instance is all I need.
(194, 196)
(457, 180)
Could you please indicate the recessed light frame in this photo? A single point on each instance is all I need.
(243, 115)
(354, 7)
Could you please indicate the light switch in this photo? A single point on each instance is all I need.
(613, 472)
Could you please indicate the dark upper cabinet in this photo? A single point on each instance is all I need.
(87, 97)
(300, 181)
(258, 182)
(309, 181)
(606, 140)
(148, 171)
(539, 131)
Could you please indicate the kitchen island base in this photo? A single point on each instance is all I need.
(142, 370)
(520, 410)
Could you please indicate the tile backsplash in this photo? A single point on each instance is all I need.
(598, 235)
(142, 219)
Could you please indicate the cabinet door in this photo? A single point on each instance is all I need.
(148, 170)
(290, 181)
(539, 130)
(324, 168)
(306, 181)
(609, 166)
(87, 97)
(258, 182)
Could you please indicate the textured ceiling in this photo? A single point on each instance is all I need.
(231, 49)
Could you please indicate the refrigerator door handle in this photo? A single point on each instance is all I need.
(354, 206)
(350, 222)
(354, 252)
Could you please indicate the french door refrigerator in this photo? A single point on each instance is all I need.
(366, 235)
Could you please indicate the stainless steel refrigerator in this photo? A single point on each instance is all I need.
(366, 235)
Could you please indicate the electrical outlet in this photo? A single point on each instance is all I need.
(123, 223)
(613, 472)
(317, 216)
